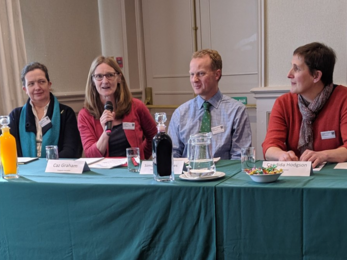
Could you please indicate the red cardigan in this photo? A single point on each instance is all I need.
(145, 129)
(285, 121)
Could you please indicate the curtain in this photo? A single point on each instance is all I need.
(12, 56)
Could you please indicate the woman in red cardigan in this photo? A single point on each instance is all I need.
(310, 122)
(132, 124)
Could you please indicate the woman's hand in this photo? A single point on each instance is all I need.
(107, 116)
(277, 154)
(315, 157)
(287, 156)
(102, 143)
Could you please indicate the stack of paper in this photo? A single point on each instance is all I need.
(104, 163)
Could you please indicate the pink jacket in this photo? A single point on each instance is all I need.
(145, 129)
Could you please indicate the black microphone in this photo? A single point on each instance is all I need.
(108, 127)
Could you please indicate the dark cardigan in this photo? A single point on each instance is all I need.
(69, 144)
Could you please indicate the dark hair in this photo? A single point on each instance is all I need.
(33, 66)
(318, 56)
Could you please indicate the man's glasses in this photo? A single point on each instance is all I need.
(109, 76)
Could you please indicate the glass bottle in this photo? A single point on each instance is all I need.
(162, 152)
(8, 150)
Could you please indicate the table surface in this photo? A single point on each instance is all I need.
(115, 214)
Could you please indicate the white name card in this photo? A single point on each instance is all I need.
(66, 166)
(147, 167)
(291, 168)
(178, 166)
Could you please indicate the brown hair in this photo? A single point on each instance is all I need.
(122, 95)
(318, 56)
(216, 59)
(33, 66)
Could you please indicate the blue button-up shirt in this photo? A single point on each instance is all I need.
(230, 126)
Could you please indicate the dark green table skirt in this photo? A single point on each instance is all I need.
(114, 214)
(106, 214)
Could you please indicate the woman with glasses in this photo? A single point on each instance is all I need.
(43, 120)
(107, 130)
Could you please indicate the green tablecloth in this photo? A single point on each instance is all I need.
(293, 218)
(114, 214)
(106, 214)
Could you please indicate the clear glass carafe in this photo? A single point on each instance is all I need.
(200, 158)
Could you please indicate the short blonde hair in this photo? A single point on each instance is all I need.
(216, 59)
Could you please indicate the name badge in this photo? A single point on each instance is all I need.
(128, 125)
(328, 135)
(44, 121)
(217, 129)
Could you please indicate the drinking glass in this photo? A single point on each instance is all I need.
(247, 158)
(52, 152)
(133, 156)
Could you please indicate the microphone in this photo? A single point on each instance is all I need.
(108, 127)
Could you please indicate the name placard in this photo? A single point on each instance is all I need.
(291, 168)
(66, 166)
(147, 167)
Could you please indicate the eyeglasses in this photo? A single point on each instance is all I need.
(109, 76)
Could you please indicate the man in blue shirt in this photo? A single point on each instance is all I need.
(230, 125)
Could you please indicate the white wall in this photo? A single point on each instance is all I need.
(65, 36)
(290, 24)
(118, 37)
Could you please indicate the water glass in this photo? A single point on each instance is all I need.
(247, 158)
(133, 156)
(52, 152)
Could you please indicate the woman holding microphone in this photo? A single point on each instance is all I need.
(112, 120)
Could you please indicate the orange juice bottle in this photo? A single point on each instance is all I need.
(8, 151)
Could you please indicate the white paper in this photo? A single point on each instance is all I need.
(23, 160)
(90, 160)
(291, 168)
(108, 163)
(341, 166)
(319, 167)
(66, 166)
